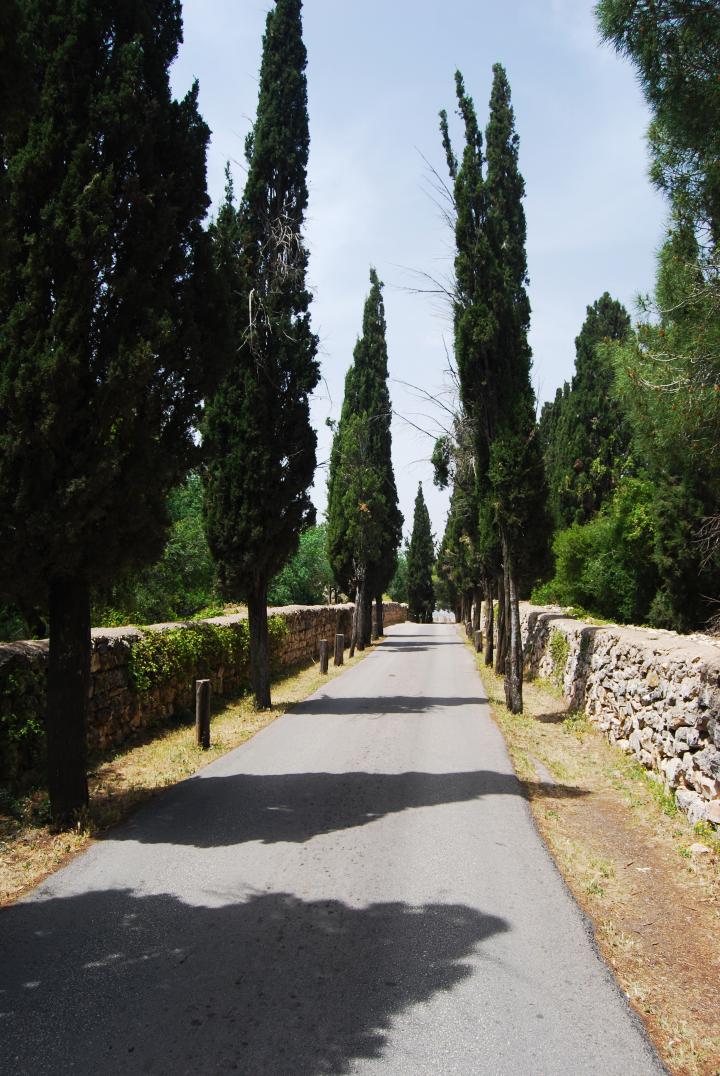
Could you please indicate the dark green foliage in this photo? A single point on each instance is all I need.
(105, 328)
(675, 46)
(306, 579)
(397, 589)
(606, 566)
(257, 435)
(22, 725)
(420, 562)
(491, 322)
(194, 650)
(108, 319)
(366, 400)
(584, 433)
(181, 583)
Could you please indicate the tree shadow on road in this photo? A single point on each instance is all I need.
(221, 811)
(114, 982)
(382, 704)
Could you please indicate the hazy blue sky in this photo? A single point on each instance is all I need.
(378, 73)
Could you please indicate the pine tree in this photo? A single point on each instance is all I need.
(366, 393)
(584, 433)
(259, 442)
(420, 561)
(675, 46)
(107, 319)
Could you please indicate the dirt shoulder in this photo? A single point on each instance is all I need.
(122, 781)
(647, 880)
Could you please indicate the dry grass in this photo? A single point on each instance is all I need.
(29, 850)
(648, 881)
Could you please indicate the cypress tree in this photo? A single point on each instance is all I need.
(259, 442)
(366, 393)
(107, 319)
(515, 469)
(584, 433)
(421, 558)
(491, 320)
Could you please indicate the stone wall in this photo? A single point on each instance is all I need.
(116, 709)
(655, 694)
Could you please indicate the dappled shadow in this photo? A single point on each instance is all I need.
(382, 704)
(555, 718)
(113, 982)
(213, 812)
(552, 790)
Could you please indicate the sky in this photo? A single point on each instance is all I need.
(378, 73)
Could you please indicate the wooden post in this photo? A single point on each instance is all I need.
(202, 713)
(477, 637)
(323, 656)
(339, 657)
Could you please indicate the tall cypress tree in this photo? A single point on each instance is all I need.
(584, 433)
(420, 561)
(515, 467)
(367, 394)
(491, 320)
(259, 442)
(106, 321)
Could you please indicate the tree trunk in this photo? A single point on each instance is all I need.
(477, 603)
(359, 618)
(501, 648)
(379, 617)
(68, 686)
(367, 618)
(514, 662)
(259, 645)
(489, 622)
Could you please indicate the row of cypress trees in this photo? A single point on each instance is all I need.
(126, 326)
(497, 523)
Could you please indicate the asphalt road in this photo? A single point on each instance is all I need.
(359, 889)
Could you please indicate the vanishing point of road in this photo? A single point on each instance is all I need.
(358, 889)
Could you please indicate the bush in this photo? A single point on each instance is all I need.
(606, 566)
(194, 650)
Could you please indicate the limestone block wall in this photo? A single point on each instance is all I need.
(655, 694)
(117, 709)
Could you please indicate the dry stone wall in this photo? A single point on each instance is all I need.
(654, 693)
(117, 710)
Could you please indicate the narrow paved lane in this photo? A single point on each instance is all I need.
(359, 889)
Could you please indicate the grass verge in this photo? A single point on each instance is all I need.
(29, 850)
(649, 882)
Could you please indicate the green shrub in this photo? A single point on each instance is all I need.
(22, 724)
(195, 650)
(559, 652)
(605, 566)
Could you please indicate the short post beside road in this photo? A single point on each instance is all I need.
(323, 656)
(339, 656)
(478, 641)
(202, 713)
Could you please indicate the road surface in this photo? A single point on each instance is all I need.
(358, 889)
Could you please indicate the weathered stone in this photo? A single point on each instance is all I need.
(708, 761)
(692, 804)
